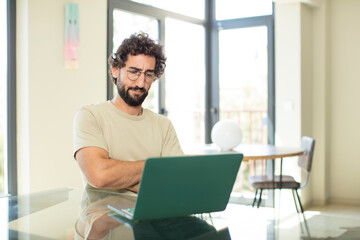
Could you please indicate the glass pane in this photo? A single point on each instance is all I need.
(3, 76)
(243, 83)
(185, 80)
(228, 9)
(191, 8)
(125, 24)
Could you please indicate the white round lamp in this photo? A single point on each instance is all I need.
(226, 134)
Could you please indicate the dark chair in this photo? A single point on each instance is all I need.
(285, 181)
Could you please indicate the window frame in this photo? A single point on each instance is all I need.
(11, 100)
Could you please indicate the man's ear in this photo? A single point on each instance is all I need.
(115, 71)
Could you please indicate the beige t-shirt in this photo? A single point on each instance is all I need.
(123, 136)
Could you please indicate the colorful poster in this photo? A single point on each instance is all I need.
(71, 35)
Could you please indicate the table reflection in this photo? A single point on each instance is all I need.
(96, 221)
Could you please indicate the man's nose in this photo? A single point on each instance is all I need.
(140, 82)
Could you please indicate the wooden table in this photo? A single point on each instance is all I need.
(250, 151)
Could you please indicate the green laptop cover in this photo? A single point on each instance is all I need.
(180, 186)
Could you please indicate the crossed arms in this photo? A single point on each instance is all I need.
(104, 172)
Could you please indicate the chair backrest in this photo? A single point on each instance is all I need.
(305, 160)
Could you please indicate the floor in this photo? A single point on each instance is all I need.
(331, 222)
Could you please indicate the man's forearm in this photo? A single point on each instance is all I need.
(120, 174)
(104, 172)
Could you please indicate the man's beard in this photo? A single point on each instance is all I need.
(125, 95)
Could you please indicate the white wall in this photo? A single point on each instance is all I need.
(319, 187)
(288, 74)
(49, 94)
(344, 129)
(321, 46)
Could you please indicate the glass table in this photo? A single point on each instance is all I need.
(75, 213)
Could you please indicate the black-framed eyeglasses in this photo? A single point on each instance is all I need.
(133, 74)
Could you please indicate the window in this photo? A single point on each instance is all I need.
(185, 80)
(243, 80)
(243, 89)
(218, 67)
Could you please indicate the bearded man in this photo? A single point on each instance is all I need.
(112, 139)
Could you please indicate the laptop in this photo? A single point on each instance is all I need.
(184, 185)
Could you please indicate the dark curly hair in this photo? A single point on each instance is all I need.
(138, 43)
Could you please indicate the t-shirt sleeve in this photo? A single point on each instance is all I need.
(87, 132)
(171, 146)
